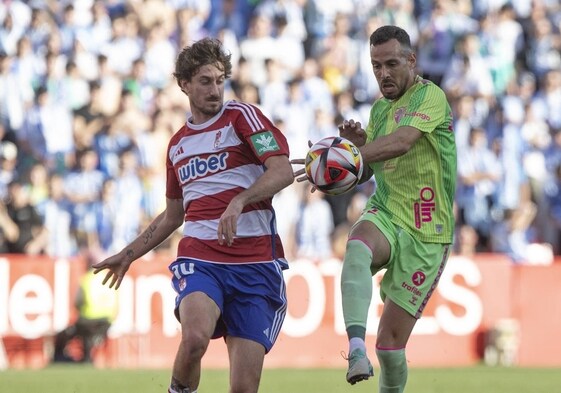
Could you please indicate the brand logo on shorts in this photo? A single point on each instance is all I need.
(418, 278)
(182, 284)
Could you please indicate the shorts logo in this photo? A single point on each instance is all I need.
(264, 142)
(418, 278)
(182, 284)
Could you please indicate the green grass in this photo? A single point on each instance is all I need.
(84, 379)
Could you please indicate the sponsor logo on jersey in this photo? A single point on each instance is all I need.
(419, 115)
(423, 209)
(264, 142)
(198, 167)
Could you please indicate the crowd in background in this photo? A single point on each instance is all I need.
(88, 104)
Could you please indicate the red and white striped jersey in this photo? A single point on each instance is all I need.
(207, 165)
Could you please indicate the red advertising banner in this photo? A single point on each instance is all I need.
(475, 297)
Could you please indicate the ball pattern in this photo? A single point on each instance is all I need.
(334, 165)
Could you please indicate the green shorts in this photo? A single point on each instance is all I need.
(414, 267)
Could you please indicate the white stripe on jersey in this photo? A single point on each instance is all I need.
(249, 113)
(242, 176)
(194, 145)
(253, 223)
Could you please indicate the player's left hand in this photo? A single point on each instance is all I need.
(228, 224)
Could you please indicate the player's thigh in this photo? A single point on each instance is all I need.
(370, 233)
(395, 326)
(413, 273)
(246, 364)
(198, 315)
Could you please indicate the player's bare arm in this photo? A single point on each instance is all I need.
(158, 230)
(391, 146)
(277, 176)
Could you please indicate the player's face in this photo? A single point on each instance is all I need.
(206, 92)
(394, 68)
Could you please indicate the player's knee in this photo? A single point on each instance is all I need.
(358, 255)
(194, 345)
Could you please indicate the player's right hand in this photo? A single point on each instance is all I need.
(116, 265)
(353, 131)
(300, 174)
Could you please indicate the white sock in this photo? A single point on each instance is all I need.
(356, 342)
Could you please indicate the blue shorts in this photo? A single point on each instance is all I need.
(251, 297)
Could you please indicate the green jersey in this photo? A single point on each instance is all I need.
(417, 189)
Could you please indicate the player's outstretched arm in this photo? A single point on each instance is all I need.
(158, 230)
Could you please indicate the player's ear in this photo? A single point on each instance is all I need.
(412, 60)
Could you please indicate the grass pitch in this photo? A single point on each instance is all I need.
(86, 379)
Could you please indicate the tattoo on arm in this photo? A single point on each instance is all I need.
(130, 253)
(149, 233)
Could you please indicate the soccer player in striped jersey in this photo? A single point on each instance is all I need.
(224, 165)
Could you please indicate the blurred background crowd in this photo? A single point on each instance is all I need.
(88, 104)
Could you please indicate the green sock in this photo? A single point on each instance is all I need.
(356, 286)
(393, 370)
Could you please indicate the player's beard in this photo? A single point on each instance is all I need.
(211, 107)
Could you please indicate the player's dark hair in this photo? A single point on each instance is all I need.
(385, 33)
(203, 52)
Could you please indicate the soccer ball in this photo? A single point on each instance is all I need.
(333, 165)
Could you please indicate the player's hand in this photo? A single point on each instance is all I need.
(228, 224)
(300, 174)
(116, 266)
(353, 131)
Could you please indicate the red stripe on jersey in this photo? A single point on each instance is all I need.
(243, 250)
(211, 207)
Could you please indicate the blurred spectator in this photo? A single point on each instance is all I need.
(37, 188)
(127, 217)
(339, 55)
(468, 73)
(553, 193)
(58, 220)
(15, 95)
(479, 173)
(8, 166)
(22, 225)
(314, 226)
(274, 92)
(314, 88)
(97, 307)
(438, 33)
(46, 134)
(258, 46)
(82, 187)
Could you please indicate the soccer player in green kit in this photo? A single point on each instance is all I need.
(407, 225)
